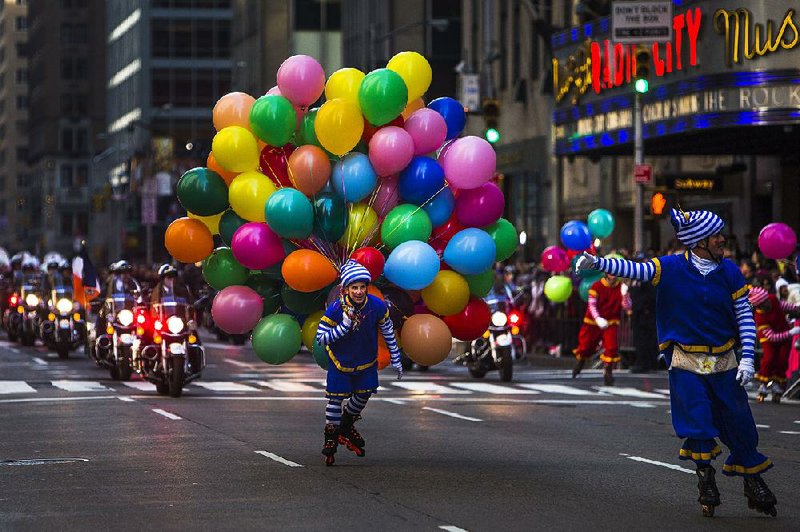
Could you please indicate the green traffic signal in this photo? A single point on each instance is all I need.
(492, 135)
(641, 86)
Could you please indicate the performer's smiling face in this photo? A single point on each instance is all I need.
(716, 245)
(357, 291)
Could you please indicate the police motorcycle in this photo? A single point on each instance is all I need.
(65, 325)
(114, 334)
(169, 353)
(27, 305)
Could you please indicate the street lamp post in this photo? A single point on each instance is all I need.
(638, 158)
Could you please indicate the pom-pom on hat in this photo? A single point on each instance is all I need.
(353, 272)
(693, 226)
(757, 296)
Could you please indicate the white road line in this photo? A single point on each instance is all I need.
(451, 414)
(223, 386)
(798, 421)
(762, 426)
(284, 385)
(81, 386)
(665, 391)
(278, 459)
(142, 386)
(427, 388)
(15, 387)
(494, 389)
(662, 464)
(40, 361)
(238, 363)
(789, 432)
(628, 392)
(393, 401)
(58, 399)
(13, 350)
(451, 528)
(126, 399)
(168, 415)
(559, 388)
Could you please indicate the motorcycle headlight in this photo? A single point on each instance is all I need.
(175, 324)
(125, 317)
(499, 319)
(64, 305)
(32, 300)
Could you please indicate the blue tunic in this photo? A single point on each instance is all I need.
(358, 349)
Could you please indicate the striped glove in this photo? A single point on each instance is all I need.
(396, 364)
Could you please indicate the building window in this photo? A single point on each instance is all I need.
(2, 186)
(82, 175)
(23, 180)
(2, 157)
(22, 23)
(2, 132)
(22, 76)
(22, 154)
(82, 222)
(2, 54)
(66, 224)
(65, 176)
(22, 127)
(66, 140)
(22, 49)
(22, 101)
(22, 2)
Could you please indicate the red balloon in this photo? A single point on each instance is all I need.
(371, 259)
(370, 130)
(274, 163)
(471, 322)
(442, 234)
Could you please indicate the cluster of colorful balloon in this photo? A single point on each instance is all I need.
(372, 174)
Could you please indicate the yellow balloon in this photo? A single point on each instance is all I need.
(212, 222)
(412, 106)
(362, 224)
(339, 126)
(447, 294)
(415, 71)
(248, 194)
(344, 84)
(309, 329)
(235, 149)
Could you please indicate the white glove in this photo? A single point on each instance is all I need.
(794, 330)
(746, 371)
(396, 364)
(346, 321)
(624, 289)
(585, 262)
(602, 323)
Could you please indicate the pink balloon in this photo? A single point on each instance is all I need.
(297, 110)
(237, 309)
(387, 195)
(470, 162)
(301, 80)
(256, 246)
(428, 129)
(479, 207)
(777, 241)
(555, 259)
(390, 150)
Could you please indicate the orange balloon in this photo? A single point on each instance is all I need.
(372, 289)
(383, 353)
(309, 169)
(413, 105)
(233, 109)
(426, 339)
(188, 240)
(212, 164)
(306, 270)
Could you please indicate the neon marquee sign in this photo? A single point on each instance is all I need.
(741, 28)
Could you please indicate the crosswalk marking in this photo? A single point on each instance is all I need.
(283, 385)
(427, 388)
(143, 386)
(629, 392)
(15, 387)
(80, 386)
(486, 387)
(558, 388)
(223, 386)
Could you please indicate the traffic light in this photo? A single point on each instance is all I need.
(657, 203)
(491, 114)
(642, 78)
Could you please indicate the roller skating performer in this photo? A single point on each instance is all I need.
(775, 335)
(349, 332)
(606, 301)
(702, 312)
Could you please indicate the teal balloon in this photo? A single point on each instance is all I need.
(277, 338)
(303, 302)
(269, 290)
(320, 355)
(289, 213)
(403, 223)
(505, 238)
(228, 224)
(203, 192)
(330, 216)
(382, 96)
(583, 288)
(221, 269)
(601, 223)
(594, 275)
(558, 288)
(481, 283)
(273, 119)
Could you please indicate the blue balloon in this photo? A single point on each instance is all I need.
(453, 113)
(421, 179)
(470, 251)
(440, 207)
(353, 177)
(412, 265)
(575, 235)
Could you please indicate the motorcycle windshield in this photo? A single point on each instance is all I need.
(165, 309)
(62, 293)
(121, 301)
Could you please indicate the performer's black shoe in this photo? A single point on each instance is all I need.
(578, 367)
(608, 376)
(759, 496)
(707, 486)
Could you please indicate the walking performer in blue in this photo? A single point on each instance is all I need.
(349, 332)
(702, 312)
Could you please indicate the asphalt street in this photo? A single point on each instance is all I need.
(241, 451)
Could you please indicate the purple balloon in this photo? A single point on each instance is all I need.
(555, 259)
(777, 241)
(237, 309)
(387, 195)
(301, 80)
(479, 207)
(428, 129)
(390, 150)
(256, 246)
(470, 162)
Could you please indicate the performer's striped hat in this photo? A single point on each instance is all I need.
(694, 226)
(757, 296)
(353, 272)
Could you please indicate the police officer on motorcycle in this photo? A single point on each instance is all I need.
(120, 282)
(170, 288)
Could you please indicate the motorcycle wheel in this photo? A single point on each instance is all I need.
(239, 339)
(27, 340)
(506, 365)
(162, 388)
(123, 368)
(477, 370)
(176, 379)
(63, 352)
(12, 337)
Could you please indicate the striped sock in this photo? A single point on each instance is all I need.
(333, 412)
(356, 403)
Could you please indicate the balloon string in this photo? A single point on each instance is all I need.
(396, 227)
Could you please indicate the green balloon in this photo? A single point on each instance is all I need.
(403, 223)
(558, 288)
(273, 119)
(221, 269)
(277, 338)
(228, 224)
(330, 216)
(601, 223)
(505, 238)
(203, 192)
(481, 283)
(267, 288)
(584, 287)
(320, 355)
(289, 213)
(382, 95)
(305, 132)
(303, 302)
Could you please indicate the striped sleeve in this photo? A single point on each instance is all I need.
(627, 304)
(642, 271)
(593, 304)
(747, 325)
(788, 307)
(327, 334)
(775, 337)
(391, 342)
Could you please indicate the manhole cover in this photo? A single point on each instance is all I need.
(42, 461)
